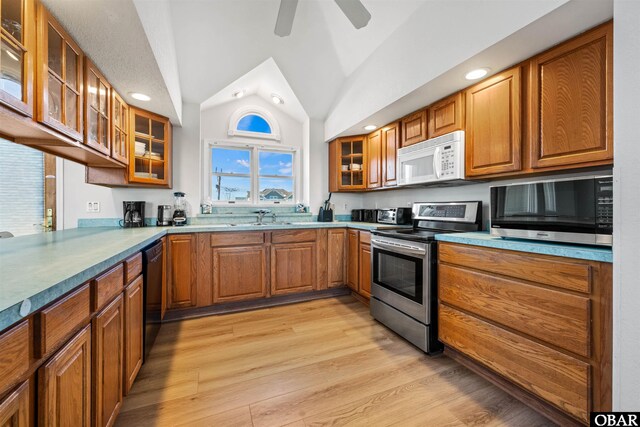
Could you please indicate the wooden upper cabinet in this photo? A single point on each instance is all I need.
(374, 159)
(119, 128)
(149, 148)
(390, 145)
(493, 125)
(446, 115)
(59, 76)
(64, 384)
(414, 128)
(182, 268)
(17, 41)
(571, 90)
(97, 109)
(348, 164)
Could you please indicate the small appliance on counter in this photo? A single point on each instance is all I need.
(164, 215)
(370, 215)
(396, 216)
(179, 208)
(133, 214)
(357, 215)
(326, 213)
(574, 210)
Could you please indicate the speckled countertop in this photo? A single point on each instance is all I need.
(591, 253)
(42, 267)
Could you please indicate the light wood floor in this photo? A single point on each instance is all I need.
(325, 362)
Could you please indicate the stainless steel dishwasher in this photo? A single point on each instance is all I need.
(153, 259)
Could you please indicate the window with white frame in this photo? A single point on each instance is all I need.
(252, 174)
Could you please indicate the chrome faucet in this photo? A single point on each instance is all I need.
(261, 213)
(273, 217)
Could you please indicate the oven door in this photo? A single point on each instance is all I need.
(400, 276)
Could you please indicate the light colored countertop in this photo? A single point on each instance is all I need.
(42, 267)
(591, 253)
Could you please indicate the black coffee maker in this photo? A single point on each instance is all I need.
(133, 214)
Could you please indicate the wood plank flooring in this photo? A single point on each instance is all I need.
(318, 363)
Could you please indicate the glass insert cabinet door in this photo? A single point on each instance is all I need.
(119, 128)
(59, 67)
(17, 54)
(150, 148)
(97, 109)
(351, 163)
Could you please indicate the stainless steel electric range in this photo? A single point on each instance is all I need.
(404, 268)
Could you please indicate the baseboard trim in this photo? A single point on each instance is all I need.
(236, 307)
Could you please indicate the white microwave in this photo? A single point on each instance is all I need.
(435, 160)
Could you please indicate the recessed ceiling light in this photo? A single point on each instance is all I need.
(140, 96)
(476, 74)
(276, 99)
(370, 127)
(238, 93)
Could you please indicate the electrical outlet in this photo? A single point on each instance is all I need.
(409, 204)
(345, 206)
(93, 207)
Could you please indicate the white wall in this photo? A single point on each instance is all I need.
(626, 238)
(186, 143)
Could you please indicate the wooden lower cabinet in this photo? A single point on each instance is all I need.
(133, 332)
(64, 384)
(364, 261)
(182, 271)
(537, 325)
(336, 257)
(15, 409)
(353, 245)
(293, 268)
(107, 363)
(239, 273)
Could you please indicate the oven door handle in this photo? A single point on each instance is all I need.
(397, 247)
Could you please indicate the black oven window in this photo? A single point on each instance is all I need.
(399, 273)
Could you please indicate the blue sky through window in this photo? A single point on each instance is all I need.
(254, 123)
(276, 164)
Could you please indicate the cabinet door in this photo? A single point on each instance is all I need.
(107, 363)
(446, 115)
(97, 109)
(17, 42)
(119, 128)
(390, 145)
(571, 93)
(374, 159)
(293, 268)
(337, 262)
(334, 166)
(64, 382)
(353, 264)
(493, 132)
(59, 77)
(351, 163)
(364, 259)
(414, 128)
(15, 409)
(239, 273)
(133, 332)
(182, 271)
(149, 148)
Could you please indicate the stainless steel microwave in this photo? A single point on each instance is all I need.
(575, 210)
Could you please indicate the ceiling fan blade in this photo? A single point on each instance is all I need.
(355, 11)
(285, 17)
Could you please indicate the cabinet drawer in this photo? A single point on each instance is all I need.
(294, 236)
(549, 374)
(365, 238)
(14, 356)
(548, 270)
(553, 316)
(107, 286)
(57, 322)
(236, 239)
(133, 267)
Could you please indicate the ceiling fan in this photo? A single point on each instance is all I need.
(354, 10)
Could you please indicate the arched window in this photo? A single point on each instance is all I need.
(254, 122)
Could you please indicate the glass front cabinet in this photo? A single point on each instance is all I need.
(17, 54)
(59, 75)
(119, 128)
(97, 111)
(150, 148)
